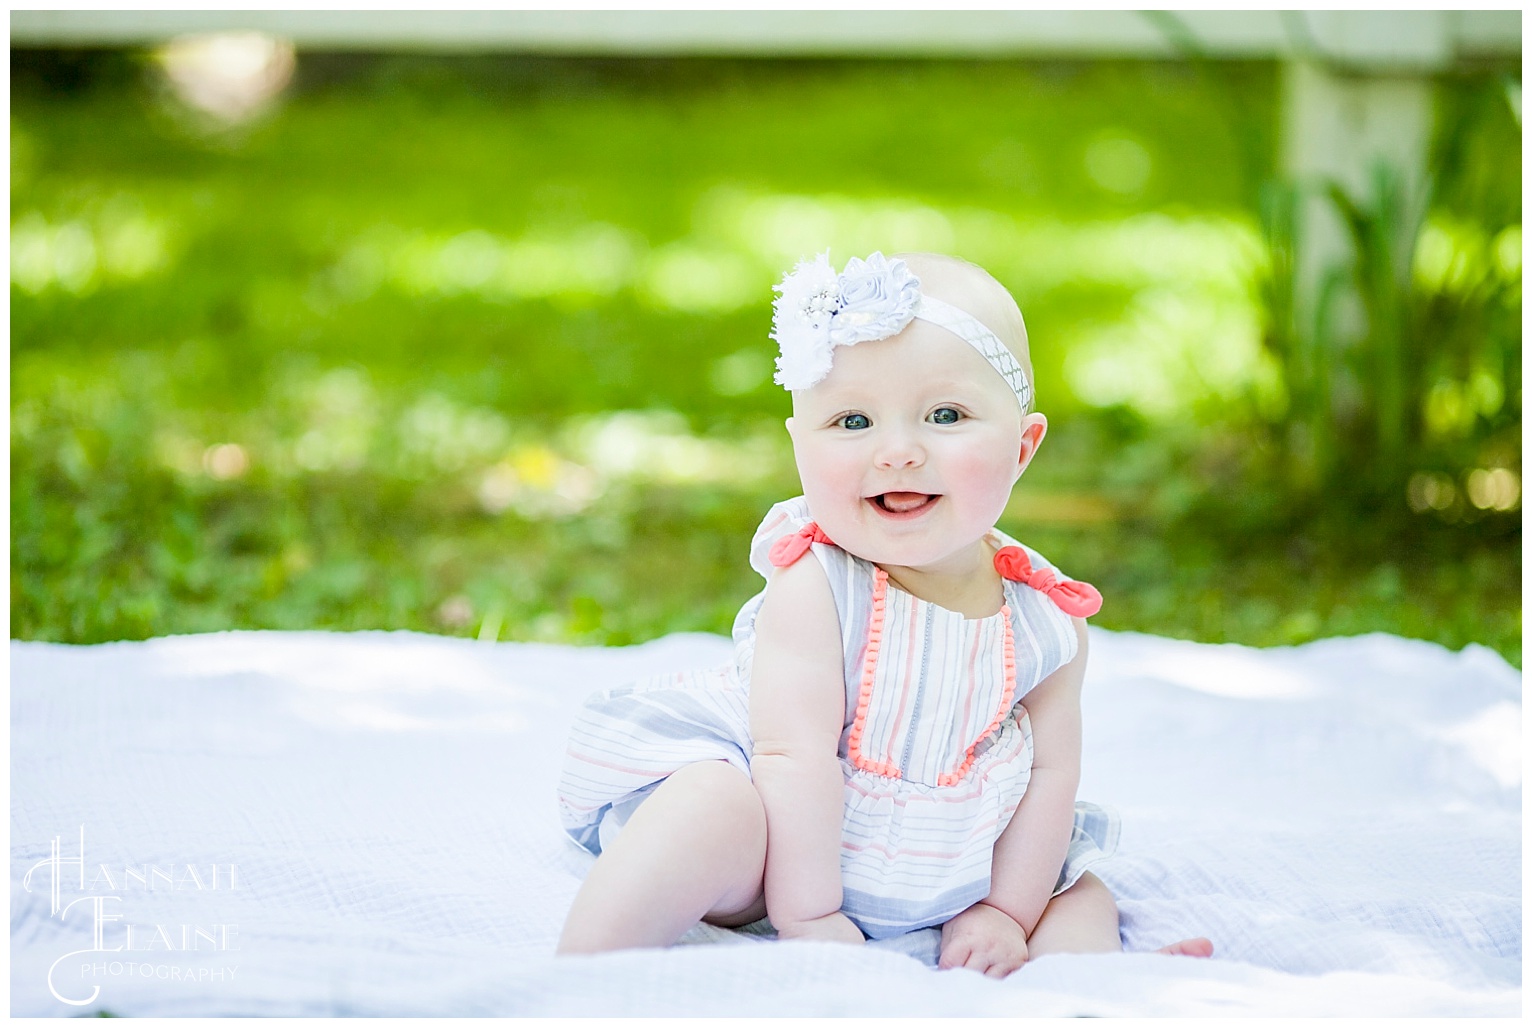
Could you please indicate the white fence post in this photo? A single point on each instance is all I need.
(1359, 91)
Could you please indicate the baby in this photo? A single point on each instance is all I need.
(896, 743)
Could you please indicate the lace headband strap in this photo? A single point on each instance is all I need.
(820, 310)
(973, 332)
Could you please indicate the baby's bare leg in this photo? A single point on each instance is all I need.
(695, 848)
(1083, 919)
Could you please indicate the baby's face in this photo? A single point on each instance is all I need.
(908, 448)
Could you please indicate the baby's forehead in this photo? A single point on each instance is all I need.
(924, 359)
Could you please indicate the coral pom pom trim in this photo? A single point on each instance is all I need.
(887, 768)
(869, 669)
(1078, 599)
(1007, 698)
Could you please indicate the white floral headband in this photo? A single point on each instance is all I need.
(872, 299)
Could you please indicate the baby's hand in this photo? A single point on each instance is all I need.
(836, 927)
(985, 939)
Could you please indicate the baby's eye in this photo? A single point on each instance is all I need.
(946, 416)
(855, 422)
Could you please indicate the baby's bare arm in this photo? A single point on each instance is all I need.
(1032, 848)
(797, 711)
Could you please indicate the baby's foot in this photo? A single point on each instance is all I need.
(1198, 947)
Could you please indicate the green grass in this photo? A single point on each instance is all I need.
(439, 306)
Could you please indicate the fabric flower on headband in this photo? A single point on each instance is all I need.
(819, 310)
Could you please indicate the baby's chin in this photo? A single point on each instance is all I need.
(912, 553)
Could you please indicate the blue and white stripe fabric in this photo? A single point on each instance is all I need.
(936, 750)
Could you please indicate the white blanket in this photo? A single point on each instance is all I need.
(1342, 819)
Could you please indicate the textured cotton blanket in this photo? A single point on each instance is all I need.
(273, 823)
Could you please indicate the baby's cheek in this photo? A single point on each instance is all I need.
(822, 474)
(829, 485)
(985, 478)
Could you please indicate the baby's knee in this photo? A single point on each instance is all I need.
(726, 798)
(1090, 891)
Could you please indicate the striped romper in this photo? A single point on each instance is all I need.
(936, 751)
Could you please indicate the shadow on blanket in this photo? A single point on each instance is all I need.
(311, 823)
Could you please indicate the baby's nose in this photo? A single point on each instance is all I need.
(900, 452)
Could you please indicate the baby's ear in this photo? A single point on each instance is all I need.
(1033, 428)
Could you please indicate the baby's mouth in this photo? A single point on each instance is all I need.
(904, 503)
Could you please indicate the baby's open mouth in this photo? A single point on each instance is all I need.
(904, 503)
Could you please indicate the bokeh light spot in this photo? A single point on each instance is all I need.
(1430, 490)
(115, 241)
(1118, 163)
(231, 76)
(225, 461)
(689, 278)
(1493, 488)
(740, 372)
(1508, 253)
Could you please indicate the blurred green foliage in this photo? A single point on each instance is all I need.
(1415, 390)
(478, 345)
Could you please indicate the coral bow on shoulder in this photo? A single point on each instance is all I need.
(1078, 599)
(786, 550)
